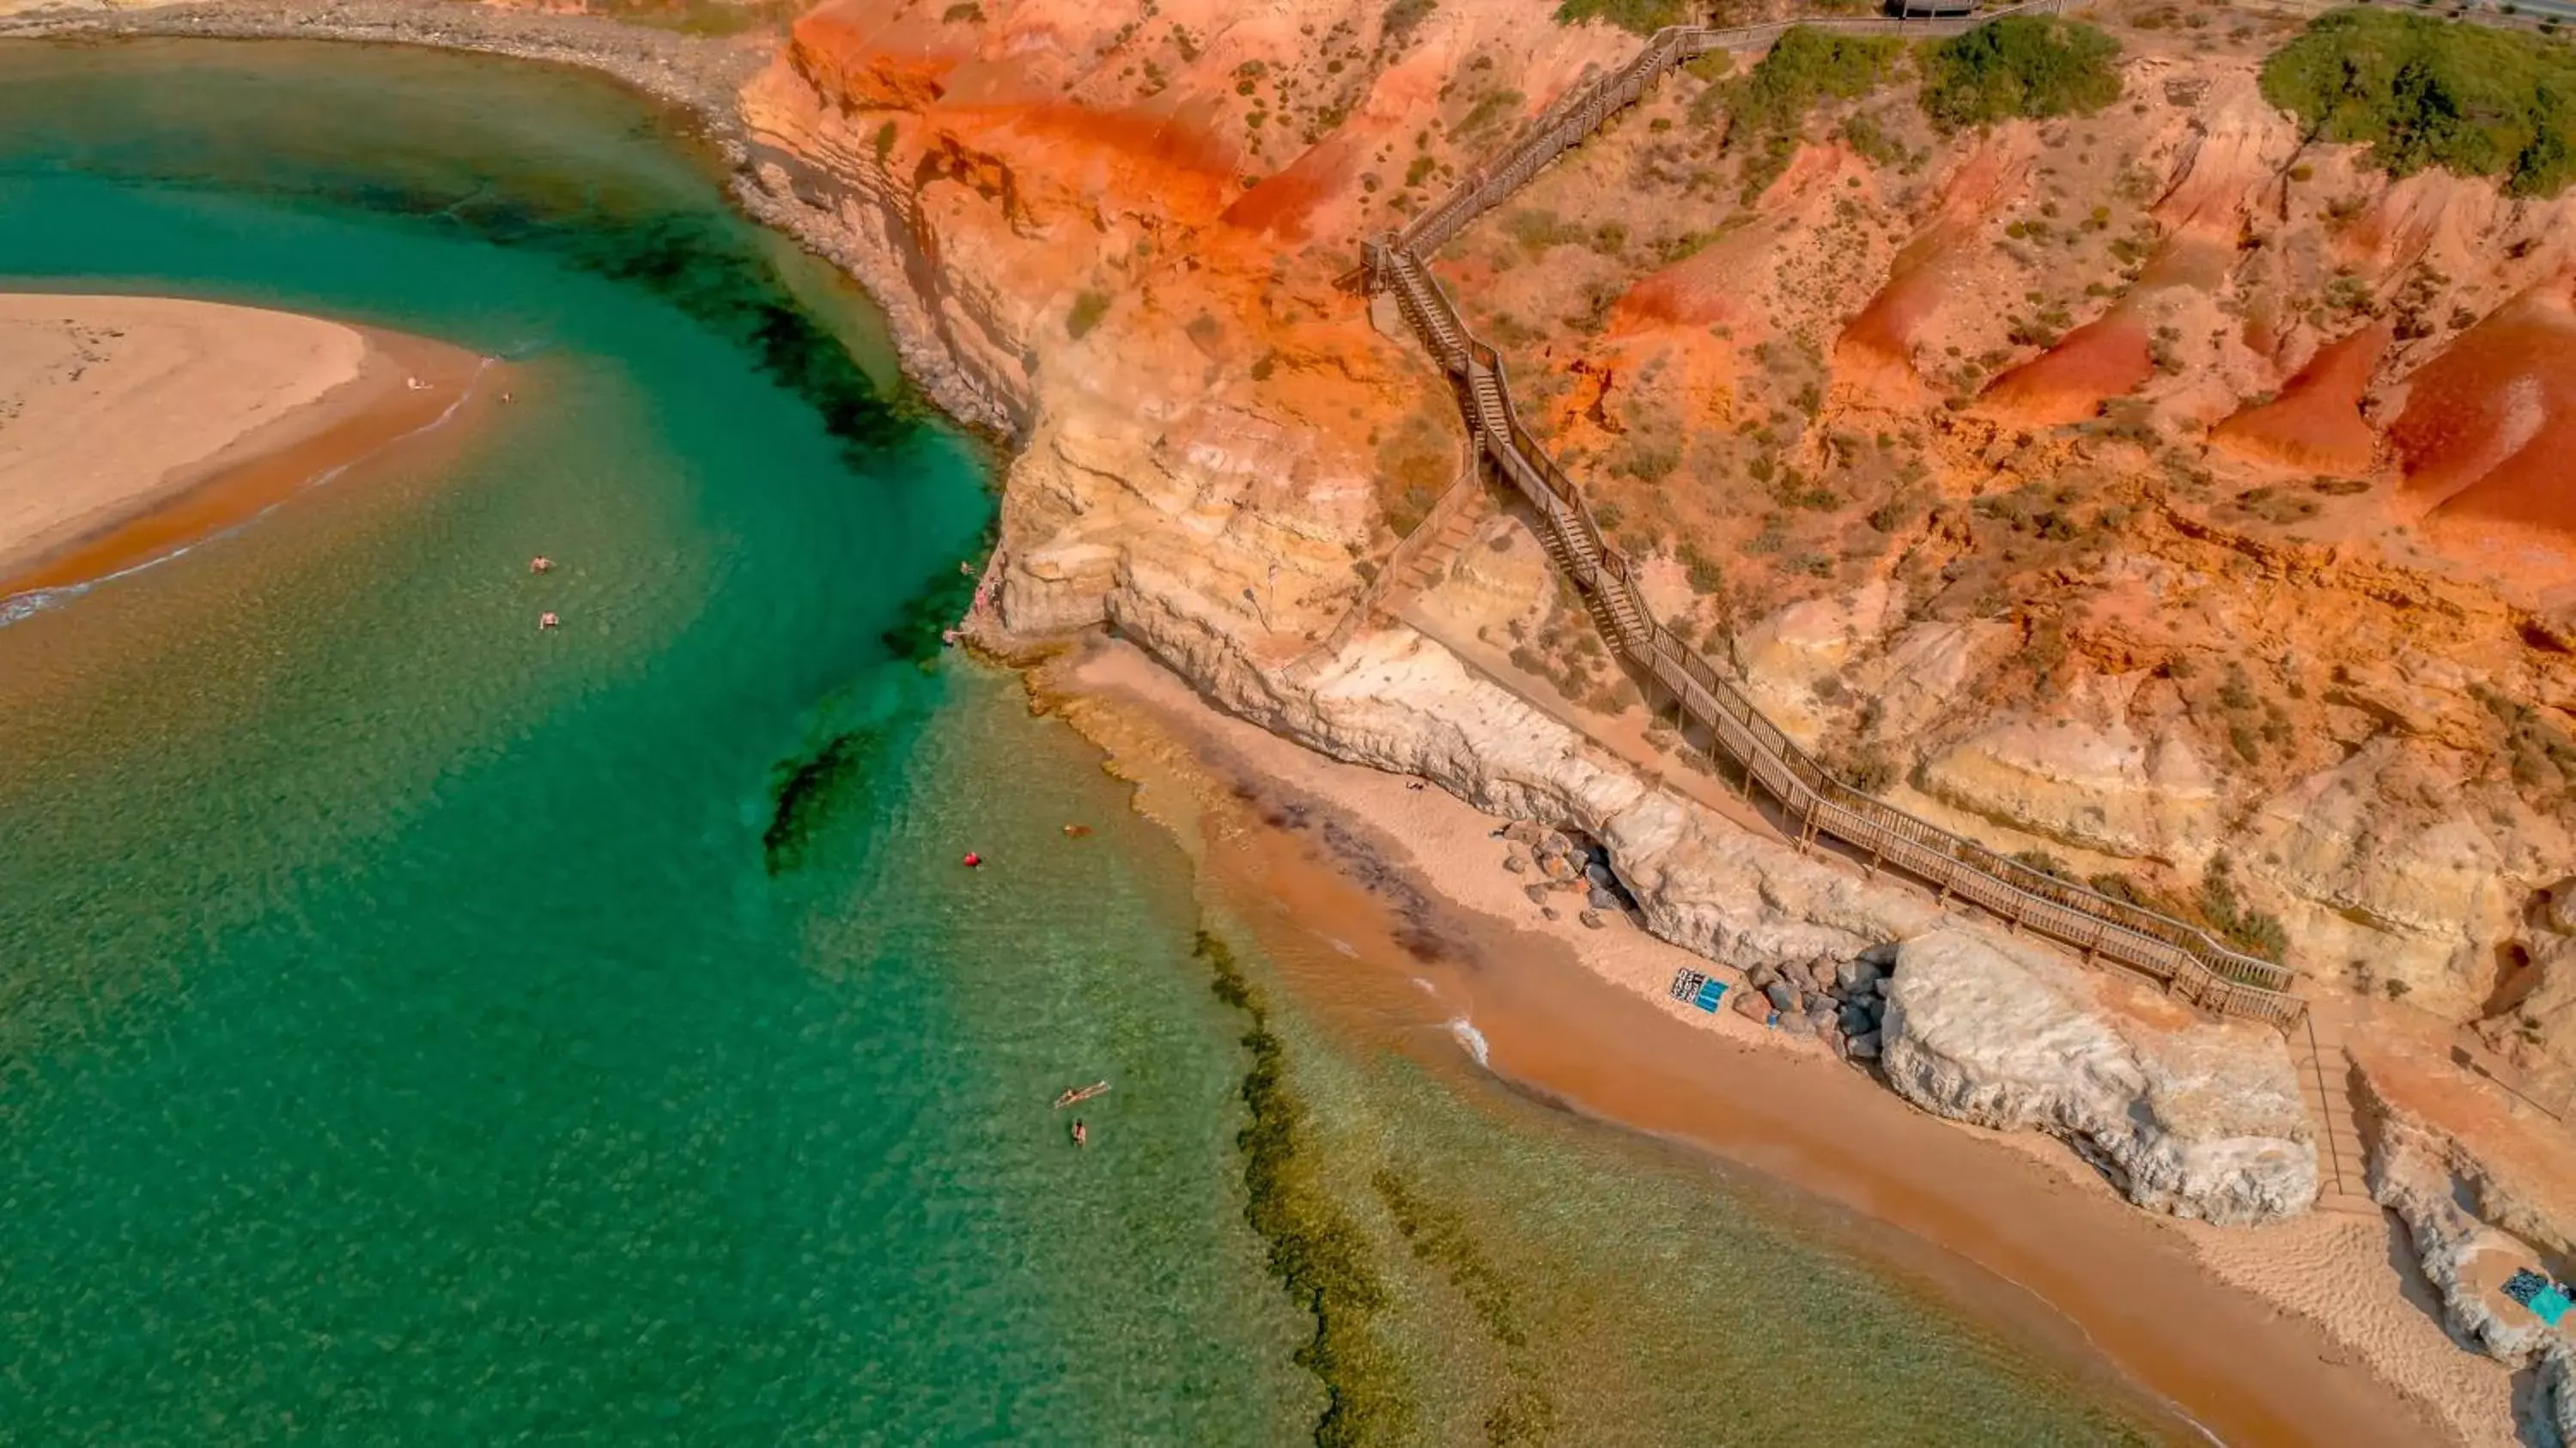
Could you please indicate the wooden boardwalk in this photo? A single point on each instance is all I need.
(2188, 960)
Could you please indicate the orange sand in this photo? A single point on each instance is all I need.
(2488, 429)
(2102, 359)
(2316, 424)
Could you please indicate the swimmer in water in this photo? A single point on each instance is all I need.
(540, 564)
(1081, 1133)
(547, 621)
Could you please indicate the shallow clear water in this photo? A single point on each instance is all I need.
(414, 1028)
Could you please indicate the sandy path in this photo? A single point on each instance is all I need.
(2304, 1332)
(110, 404)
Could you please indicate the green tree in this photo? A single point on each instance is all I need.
(2423, 92)
(2019, 66)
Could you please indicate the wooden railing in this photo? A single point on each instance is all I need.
(1566, 124)
(2196, 966)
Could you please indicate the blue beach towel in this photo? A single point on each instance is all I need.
(2550, 1304)
(1710, 993)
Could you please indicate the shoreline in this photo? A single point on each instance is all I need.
(2469, 1394)
(399, 388)
(1580, 1020)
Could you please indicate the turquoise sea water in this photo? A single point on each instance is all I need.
(417, 1029)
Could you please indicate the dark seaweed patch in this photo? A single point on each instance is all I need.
(918, 631)
(1315, 1250)
(706, 261)
(1442, 1238)
(695, 263)
(804, 792)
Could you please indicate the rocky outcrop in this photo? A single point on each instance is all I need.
(2097, 787)
(2558, 1376)
(2193, 1118)
(2480, 1179)
(2464, 1257)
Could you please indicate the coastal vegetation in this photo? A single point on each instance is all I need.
(1767, 109)
(1315, 1250)
(2019, 66)
(701, 17)
(803, 792)
(1639, 17)
(1088, 309)
(2422, 92)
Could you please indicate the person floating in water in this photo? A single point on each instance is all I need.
(1081, 1133)
(541, 564)
(547, 621)
(1073, 1094)
(1076, 831)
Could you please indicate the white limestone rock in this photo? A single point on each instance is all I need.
(2200, 1120)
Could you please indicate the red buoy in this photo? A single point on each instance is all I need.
(973, 859)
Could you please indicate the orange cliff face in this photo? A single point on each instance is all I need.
(1117, 237)
(1117, 234)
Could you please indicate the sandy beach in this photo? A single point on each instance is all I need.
(132, 425)
(2300, 1333)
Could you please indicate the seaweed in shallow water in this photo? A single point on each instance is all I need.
(919, 630)
(804, 792)
(1315, 1250)
(1443, 1238)
(705, 261)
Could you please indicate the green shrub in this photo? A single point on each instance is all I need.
(1637, 17)
(2423, 92)
(1704, 574)
(2255, 932)
(1403, 17)
(2019, 66)
(1870, 141)
(1537, 228)
(1767, 110)
(1088, 309)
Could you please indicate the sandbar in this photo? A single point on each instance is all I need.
(130, 425)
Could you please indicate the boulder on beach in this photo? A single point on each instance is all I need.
(2190, 1116)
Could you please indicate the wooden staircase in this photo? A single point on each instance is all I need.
(2192, 964)
(2325, 1082)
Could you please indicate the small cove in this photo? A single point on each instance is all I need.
(414, 1028)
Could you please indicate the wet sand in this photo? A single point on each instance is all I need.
(2013, 1229)
(130, 427)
